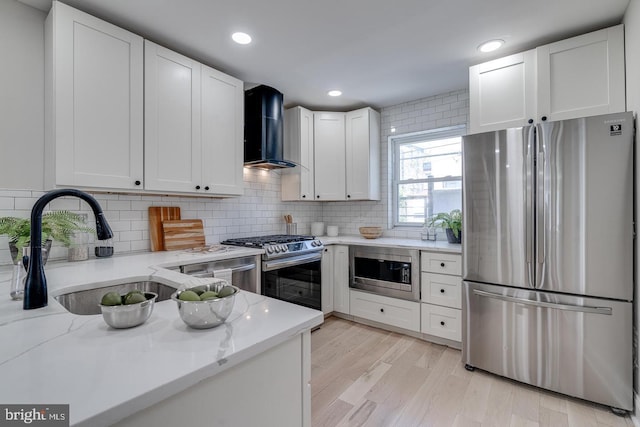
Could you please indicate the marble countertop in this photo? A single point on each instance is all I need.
(49, 355)
(427, 245)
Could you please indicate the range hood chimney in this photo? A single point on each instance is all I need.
(264, 129)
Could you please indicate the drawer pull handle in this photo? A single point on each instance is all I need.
(442, 291)
(442, 323)
(382, 310)
(442, 264)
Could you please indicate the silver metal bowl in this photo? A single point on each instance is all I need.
(130, 315)
(209, 313)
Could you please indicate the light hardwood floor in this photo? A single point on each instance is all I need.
(364, 376)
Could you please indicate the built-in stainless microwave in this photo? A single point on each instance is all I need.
(393, 272)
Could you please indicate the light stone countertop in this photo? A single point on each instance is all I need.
(50, 356)
(425, 245)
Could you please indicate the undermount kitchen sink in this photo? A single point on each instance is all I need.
(86, 301)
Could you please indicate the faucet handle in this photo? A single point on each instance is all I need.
(25, 257)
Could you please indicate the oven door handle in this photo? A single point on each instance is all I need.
(289, 262)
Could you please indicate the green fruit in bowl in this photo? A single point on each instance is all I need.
(111, 298)
(208, 295)
(189, 296)
(226, 291)
(134, 298)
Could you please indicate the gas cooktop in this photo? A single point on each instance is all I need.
(279, 245)
(261, 241)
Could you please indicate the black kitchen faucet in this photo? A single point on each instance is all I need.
(35, 288)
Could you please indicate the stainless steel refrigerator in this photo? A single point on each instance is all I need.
(548, 256)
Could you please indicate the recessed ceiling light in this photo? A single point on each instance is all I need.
(334, 93)
(491, 45)
(241, 38)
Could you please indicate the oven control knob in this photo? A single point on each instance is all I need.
(269, 250)
(277, 249)
(283, 248)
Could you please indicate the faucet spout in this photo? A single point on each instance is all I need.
(35, 288)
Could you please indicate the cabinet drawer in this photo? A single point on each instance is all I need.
(390, 311)
(442, 322)
(441, 289)
(441, 263)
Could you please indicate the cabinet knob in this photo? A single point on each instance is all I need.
(442, 323)
(206, 188)
(138, 182)
(442, 264)
(318, 196)
(348, 196)
(530, 121)
(304, 196)
(382, 310)
(442, 291)
(197, 187)
(544, 118)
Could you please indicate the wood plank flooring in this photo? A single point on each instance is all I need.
(364, 376)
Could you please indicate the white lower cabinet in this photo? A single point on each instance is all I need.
(335, 279)
(442, 322)
(441, 295)
(271, 389)
(390, 311)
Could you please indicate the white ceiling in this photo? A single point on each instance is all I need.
(378, 53)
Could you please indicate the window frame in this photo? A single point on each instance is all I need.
(394, 143)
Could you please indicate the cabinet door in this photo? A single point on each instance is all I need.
(582, 76)
(362, 145)
(222, 133)
(297, 183)
(329, 156)
(502, 93)
(341, 278)
(326, 279)
(95, 114)
(172, 121)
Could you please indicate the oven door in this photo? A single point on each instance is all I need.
(295, 279)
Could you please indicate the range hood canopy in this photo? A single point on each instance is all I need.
(264, 129)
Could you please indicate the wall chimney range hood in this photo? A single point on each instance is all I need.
(264, 129)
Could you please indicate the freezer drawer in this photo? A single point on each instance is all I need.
(577, 346)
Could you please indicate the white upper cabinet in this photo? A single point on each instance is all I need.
(338, 155)
(502, 93)
(193, 126)
(578, 77)
(297, 183)
(222, 133)
(582, 76)
(94, 103)
(173, 147)
(329, 156)
(363, 154)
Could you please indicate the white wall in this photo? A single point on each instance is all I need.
(632, 59)
(22, 92)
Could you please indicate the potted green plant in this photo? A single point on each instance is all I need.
(56, 225)
(451, 223)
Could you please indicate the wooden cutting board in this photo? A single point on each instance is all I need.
(183, 234)
(157, 214)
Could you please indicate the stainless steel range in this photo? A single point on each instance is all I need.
(290, 267)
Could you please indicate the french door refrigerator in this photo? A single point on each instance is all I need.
(548, 256)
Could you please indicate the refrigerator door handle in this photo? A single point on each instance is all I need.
(529, 216)
(567, 307)
(540, 216)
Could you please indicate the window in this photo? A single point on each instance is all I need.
(427, 174)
